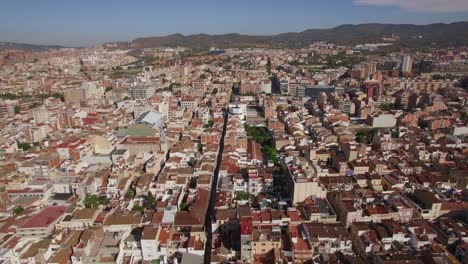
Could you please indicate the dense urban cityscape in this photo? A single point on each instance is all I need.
(320, 153)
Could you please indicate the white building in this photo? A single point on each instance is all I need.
(189, 103)
(383, 121)
(41, 114)
(151, 118)
(163, 108)
(407, 64)
(239, 109)
(141, 91)
(265, 86)
(93, 90)
(149, 243)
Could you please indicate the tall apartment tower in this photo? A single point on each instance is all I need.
(407, 64)
(372, 68)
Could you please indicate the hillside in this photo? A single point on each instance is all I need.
(29, 47)
(439, 35)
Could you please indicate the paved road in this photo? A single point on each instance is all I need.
(214, 184)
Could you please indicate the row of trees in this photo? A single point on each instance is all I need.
(261, 135)
(344, 60)
(93, 201)
(25, 146)
(388, 107)
(11, 96)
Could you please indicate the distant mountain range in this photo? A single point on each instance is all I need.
(402, 35)
(405, 35)
(30, 47)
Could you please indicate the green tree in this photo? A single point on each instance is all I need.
(93, 201)
(18, 210)
(242, 196)
(90, 201)
(34, 105)
(138, 208)
(361, 136)
(386, 107)
(275, 204)
(183, 206)
(200, 147)
(10, 96)
(259, 134)
(209, 124)
(23, 145)
(130, 193)
(151, 200)
(17, 110)
(271, 153)
(255, 202)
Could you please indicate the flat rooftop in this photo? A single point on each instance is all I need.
(45, 217)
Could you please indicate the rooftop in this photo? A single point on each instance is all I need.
(45, 217)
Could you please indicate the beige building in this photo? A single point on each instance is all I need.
(41, 114)
(265, 240)
(42, 224)
(302, 184)
(136, 145)
(81, 219)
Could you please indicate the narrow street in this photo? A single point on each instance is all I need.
(214, 184)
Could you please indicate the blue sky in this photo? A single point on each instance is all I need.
(90, 22)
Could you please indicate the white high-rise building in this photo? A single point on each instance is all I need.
(266, 86)
(141, 91)
(407, 64)
(41, 114)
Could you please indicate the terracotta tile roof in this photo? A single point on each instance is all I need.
(149, 233)
(301, 245)
(246, 225)
(120, 218)
(197, 213)
(45, 217)
(164, 236)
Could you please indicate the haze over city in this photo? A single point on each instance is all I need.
(84, 23)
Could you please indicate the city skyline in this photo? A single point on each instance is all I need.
(88, 23)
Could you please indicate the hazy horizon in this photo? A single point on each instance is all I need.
(88, 23)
